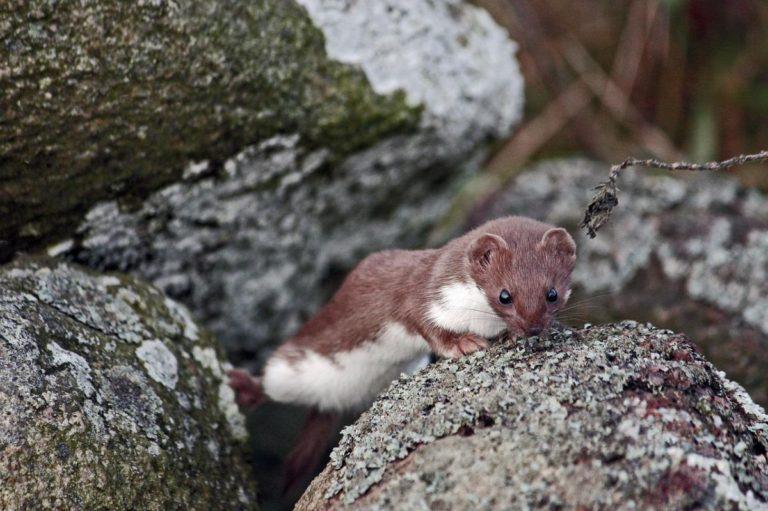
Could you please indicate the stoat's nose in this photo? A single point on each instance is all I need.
(534, 330)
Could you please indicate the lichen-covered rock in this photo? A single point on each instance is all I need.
(622, 416)
(103, 98)
(688, 253)
(111, 398)
(243, 155)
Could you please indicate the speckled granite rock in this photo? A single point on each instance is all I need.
(111, 398)
(689, 254)
(243, 155)
(619, 416)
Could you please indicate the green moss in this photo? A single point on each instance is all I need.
(107, 99)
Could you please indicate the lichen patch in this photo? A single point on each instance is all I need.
(77, 365)
(228, 406)
(160, 363)
(207, 358)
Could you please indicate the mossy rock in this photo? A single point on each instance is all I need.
(622, 416)
(105, 99)
(111, 398)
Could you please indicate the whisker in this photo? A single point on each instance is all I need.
(572, 318)
(583, 302)
(574, 321)
(580, 312)
(562, 314)
(596, 293)
(572, 311)
(581, 307)
(599, 294)
(457, 309)
(573, 314)
(586, 300)
(590, 298)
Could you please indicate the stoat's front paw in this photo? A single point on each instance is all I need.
(248, 391)
(466, 344)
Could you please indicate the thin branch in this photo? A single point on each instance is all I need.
(601, 206)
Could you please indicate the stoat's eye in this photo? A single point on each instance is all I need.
(505, 297)
(552, 295)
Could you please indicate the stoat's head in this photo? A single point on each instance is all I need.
(527, 280)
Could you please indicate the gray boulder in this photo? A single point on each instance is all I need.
(622, 416)
(111, 398)
(687, 252)
(243, 155)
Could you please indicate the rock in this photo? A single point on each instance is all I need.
(243, 155)
(617, 416)
(106, 99)
(688, 253)
(111, 398)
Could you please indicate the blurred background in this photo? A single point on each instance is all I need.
(669, 79)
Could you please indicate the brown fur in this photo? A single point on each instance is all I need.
(519, 254)
(399, 285)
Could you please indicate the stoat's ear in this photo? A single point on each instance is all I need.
(558, 240)
(484, 249)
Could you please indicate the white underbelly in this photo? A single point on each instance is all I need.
(348, 380)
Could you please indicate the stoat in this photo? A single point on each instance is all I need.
(510, 274)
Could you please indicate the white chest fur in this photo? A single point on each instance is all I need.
(463, 307)
(350, 379)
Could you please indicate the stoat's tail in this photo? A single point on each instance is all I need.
(312, 443)
(249, 392)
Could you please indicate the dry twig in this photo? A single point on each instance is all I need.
(600, 207)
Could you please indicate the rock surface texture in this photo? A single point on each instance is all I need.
(109, 99)
(243, 155)
(622, 416)
(111, 398)
(689, 254)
